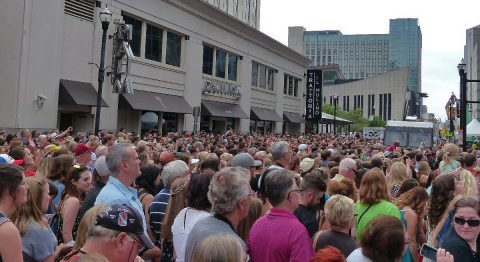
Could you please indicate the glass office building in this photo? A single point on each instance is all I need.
(364, 56)
(247, 11)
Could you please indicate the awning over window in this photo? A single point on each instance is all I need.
(327, 119)
(291, 117)
(156, 102)
(263, 114)
(77, 93)
(212, 108)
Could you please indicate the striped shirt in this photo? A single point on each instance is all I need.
(157, 211)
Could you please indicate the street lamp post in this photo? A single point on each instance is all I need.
(463, 101)
(105, 18)
(335, 99)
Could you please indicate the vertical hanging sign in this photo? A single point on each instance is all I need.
(314, 96)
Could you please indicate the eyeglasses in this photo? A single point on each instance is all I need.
(470, 222)
(140, 245)
(295, 190)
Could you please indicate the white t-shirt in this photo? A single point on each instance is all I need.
(357, 256)
(182, 225)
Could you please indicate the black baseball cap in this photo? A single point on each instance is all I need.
(124, 219)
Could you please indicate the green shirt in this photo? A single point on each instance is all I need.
(383, 207)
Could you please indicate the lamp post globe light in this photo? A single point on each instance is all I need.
(335, 99)
(105, 18)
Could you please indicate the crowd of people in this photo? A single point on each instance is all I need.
(234, 197)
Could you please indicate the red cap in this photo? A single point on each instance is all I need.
(18, 162)
(82, 148)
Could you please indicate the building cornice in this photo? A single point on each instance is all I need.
(221, 19)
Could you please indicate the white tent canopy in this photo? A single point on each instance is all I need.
(473, 128)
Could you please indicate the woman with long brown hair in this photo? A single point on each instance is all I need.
(412, 205)
(373, 200)
(175, 205)
(13, 193)
(59, 170)
(443, 191)
(77, 184)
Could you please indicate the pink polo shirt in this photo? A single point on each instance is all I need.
(279, 236)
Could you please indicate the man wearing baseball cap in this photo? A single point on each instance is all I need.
(245, 160)
(83, 156)
(118, 234)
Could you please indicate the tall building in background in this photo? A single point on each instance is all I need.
(472, 61)
(247, 11)
(367, 55)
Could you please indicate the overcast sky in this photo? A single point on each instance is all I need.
(443, 24)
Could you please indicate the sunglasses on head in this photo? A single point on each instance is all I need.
(470, 222)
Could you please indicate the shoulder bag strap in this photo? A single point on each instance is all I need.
(360, 218)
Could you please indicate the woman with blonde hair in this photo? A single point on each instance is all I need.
(466, 184)
(71, 146)
(449, 164)
(340, 214)
(398, 174)
(101, 151)
(93, 141)
(412, 205)
(38, 241)
(175, 205)
(43, 166)
(87, 222)
(219, 247)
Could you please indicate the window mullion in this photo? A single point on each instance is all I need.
(143, 39)
(164, 46)
(214, 66)
(227, 56)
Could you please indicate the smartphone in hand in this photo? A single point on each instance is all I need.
(429, 252)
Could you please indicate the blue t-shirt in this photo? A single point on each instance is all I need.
(61, 187)
(38, 243)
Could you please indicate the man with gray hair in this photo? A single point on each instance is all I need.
(124, 166)
(346, 169)
(230, 195)
(157, 209)
(287, 238)
(282, 155)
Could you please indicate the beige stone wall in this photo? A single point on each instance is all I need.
(393, 82)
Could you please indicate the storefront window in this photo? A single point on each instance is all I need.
(169, 123)
(149, 121)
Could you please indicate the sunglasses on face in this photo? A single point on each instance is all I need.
(470, 222)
